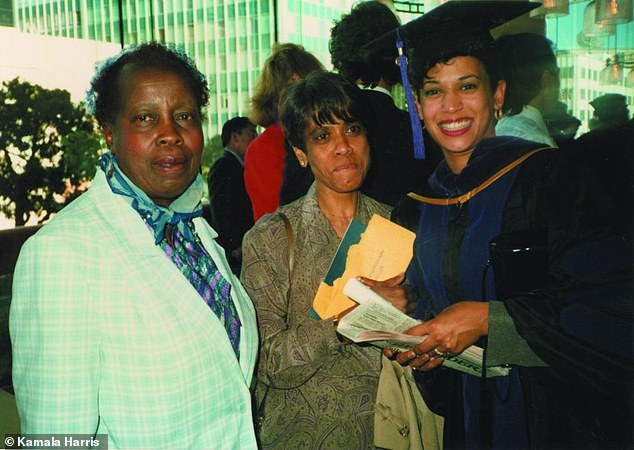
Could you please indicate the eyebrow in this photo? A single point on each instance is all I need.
(462, 78)
(317, 129)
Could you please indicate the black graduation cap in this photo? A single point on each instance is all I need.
(453, 25)
(450, 27)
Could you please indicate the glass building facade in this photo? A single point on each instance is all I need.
(6, 13)
(228, 39)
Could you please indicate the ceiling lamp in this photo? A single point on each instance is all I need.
(592, 29)
(556, 7)
(612, 73)
(551, 8)
(613, 12)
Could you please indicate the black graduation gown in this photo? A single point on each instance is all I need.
(583, 326)
(393, 170)
(502, 190)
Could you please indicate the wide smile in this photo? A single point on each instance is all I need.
(455, 127)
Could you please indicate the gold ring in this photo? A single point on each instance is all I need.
(437, 354)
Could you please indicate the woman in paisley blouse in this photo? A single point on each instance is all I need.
(318, 390)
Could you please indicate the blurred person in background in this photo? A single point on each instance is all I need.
(231, 212)
(264, 161)
(562, 125)
(610, 110)
(528, 65)
(394, 171)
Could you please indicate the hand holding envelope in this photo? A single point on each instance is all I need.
(380, 251)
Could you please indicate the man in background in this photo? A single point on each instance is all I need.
(394, 171)
(529, 66)
(231, 212)
(610, 111)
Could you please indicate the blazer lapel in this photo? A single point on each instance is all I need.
(139, 241)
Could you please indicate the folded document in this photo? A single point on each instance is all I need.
(378, 322)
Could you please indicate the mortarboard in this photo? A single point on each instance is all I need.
(442, 32)
(608, 104)
(452, 25)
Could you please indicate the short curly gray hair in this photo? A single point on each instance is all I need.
(103, 99)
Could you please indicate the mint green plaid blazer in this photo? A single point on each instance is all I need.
(109, 337)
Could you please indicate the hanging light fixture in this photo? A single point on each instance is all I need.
(556, 7)
(626, 61)
(592, 29)
(613, 12)
(614, 68)
(612, 73)
(551, 8)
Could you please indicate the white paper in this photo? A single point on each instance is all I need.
(378, 322)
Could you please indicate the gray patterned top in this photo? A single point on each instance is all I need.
(323, 390)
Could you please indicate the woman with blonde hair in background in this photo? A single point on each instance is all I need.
(264, 161)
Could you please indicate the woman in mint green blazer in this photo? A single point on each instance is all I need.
(126, 320)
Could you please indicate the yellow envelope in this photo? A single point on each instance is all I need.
(384, 250)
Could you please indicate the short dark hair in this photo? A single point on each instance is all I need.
(484, 50)
(235, 125)
(523, 59)
(322, 97)
(365, 22)
(103, 96)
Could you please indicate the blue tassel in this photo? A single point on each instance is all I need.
(417, 130)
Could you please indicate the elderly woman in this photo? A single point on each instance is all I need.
(317, 391)
(126, 320)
